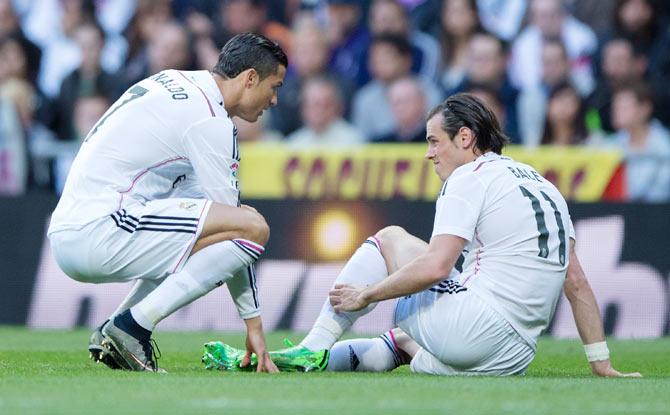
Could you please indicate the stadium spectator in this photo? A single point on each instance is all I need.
(408, 105)
(597, 14)
(565, 123)
(169, 47)
(390, 59)
(532, 102)
(178, 229)
(309, 59)
(16, 88)
(61, 54)
(42, 23)
(13, 151)
(10, 26)
(249, 16)
(349, 40)
(88, 79)
(550, 20)
(639, 21)
(645, 143)
(322, 108)
(660, 79)
(459, 22)
(86, 111)
(502, 17)
(149, 16)
(622, 63)
(487, 57)
(390, 16)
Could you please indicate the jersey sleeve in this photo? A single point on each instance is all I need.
(458, 207)
(211, 148)
(242, 288)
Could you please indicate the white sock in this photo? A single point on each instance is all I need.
(207, 269)
(378, 354)
(140, 290)
(365, 267)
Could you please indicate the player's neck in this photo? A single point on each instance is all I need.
(230, 92)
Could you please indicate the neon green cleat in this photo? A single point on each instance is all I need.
(299, 359)
(218, 355)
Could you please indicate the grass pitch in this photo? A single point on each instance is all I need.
(48, 372)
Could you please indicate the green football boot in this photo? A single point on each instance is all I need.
(218, 355)
(299, 359)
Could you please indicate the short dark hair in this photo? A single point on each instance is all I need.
(398, 42)
(250, 50)
(641, 90)
(464, 110)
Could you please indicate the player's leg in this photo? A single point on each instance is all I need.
(378, 354)
(98, 352)
(380, 255)
(230, 240)
(459, 333)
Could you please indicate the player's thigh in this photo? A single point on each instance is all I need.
(399, 247)
(225, 222)
(463, 332)
(139, 241)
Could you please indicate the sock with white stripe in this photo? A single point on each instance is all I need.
(364, 355)
(207, 269)
(365, 267)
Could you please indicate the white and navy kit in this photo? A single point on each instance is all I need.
(140, 187)
(488, 318)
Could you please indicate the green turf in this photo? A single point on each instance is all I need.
(48, 372)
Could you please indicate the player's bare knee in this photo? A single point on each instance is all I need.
(390, 234)
(257, 229)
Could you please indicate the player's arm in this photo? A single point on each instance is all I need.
(422, 273)
(210, 148)
(587, 318)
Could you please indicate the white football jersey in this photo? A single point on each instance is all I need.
(168, 136)
(518, 228)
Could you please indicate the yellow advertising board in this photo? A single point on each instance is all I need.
(387, 171)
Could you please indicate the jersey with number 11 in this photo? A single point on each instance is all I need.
(518, 230)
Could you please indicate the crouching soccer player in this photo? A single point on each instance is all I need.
(514, 229)
(153, 197)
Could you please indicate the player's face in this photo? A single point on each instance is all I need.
(262, 94)
(447, 154)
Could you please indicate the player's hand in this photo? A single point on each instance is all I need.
(604, 368)
(255, 343)
(346, 297)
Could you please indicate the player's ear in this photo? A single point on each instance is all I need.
(250, 78)
(467, 137)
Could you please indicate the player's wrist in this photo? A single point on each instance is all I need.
(596, 352)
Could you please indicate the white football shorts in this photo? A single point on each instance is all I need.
(147, 241)
(460, 334)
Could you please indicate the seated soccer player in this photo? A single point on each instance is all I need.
(514, 229)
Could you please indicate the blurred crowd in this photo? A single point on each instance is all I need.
(556, 72)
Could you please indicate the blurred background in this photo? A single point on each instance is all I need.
(582, 89)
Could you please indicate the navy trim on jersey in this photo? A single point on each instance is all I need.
(252, 283)
(131, 224)
(448, 287)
